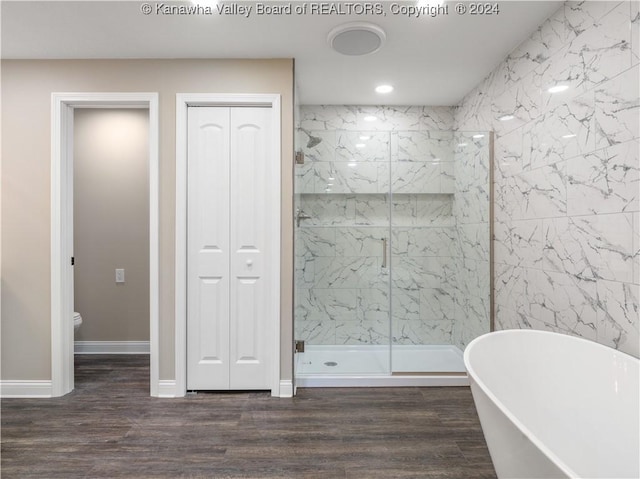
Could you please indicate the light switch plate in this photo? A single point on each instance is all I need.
(119, 275)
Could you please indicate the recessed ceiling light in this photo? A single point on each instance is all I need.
(370, 118)
(357, 38)
(558, 88)
(365, 137)
(506, 117)
(384, 89)
(478, 136)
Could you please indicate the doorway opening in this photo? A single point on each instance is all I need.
(64, 107)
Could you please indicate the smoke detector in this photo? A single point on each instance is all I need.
(357, 38)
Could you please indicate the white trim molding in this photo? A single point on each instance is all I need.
(183, 102)
(112, 347)
(62, 343)
(167, 389)
(25, 389)
(286, 388)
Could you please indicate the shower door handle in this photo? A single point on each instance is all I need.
(384, 252)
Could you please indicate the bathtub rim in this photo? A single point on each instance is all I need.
(473, 378)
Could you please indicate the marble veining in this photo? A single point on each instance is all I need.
(566, 173)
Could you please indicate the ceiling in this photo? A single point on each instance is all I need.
(429, 60)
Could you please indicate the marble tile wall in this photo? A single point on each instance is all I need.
(351, 164)
(567, 175)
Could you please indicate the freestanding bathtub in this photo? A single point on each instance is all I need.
(553, 405)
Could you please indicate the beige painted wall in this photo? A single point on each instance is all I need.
(111, 223)
(26, 102)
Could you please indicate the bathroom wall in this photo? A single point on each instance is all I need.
(26, 156)
(567, 222)
(111, 223)
(342, 291)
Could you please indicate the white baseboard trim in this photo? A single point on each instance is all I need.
(286, 388)
(167, 388)
(111, 347)
(25, 389)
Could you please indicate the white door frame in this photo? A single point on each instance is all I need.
(183, 101)
(62, 344)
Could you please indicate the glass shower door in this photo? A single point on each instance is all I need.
(342, 241)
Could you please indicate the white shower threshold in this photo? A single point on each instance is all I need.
(368, 366)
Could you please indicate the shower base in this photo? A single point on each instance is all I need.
(368, 366)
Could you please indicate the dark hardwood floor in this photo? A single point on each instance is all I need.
(109, 428)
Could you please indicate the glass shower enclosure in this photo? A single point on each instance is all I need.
(392, 251)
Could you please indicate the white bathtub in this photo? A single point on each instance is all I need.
(553, 405)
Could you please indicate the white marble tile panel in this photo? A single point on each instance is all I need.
(329, 209)
(605, 181)
(511, 289)
(314, 241)
(305, 178)
(437, 304)
(360, 241)
(617, 109)
(421, 146)
(316, 332)
(519, 243)
(328, 117)
(422, 332)
(598, 54)
(304, 271)
(474, 240)
(348, 272)
(388, 118)
(508, 153)
(561, 133)
(636, 247)
(359, 146)
(563, 303)
(447, 177)
(318, 304)
(618, 316)
(414, 177)
(434, 210)
(404, 210)
(581, 16)
(353, 177)
(362, 332)
(423, 241)
(540, 193)
(406, 304)
(635, 32)
(591, 247)
(372, 210)
(472, 207)
(373, 303)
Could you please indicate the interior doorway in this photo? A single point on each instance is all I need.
(64, 106)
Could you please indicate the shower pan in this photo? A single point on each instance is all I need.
(392, 255)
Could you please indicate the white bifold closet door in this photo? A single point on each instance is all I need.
(227, 248)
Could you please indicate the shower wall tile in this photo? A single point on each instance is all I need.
(437, 303)
(585, 15)
(433, 210)
(617, 109)
(406, 305)
(348, 272)
(319, 304)
(422, 332)
(420, 242)
(618, 316)
(328, 210)
(373, 303)
(635, 33)
(372, 210)
(421, 146)
(604, 181)
(591, 247)
(360, 241)
(358, 146)
(362, 332)
(304, 272)
(519, 243)
(316, 332)
(312, 241)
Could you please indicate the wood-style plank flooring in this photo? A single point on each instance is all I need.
(109, 427)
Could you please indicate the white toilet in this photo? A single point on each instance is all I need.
(77, 321)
